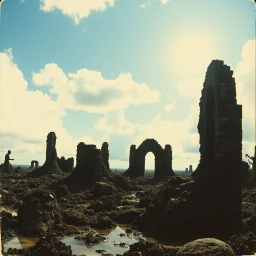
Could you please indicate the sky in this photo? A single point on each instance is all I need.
(118, 71)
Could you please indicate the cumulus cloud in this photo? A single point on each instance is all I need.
(245, 84)
(76, 9)
(87, 90)
(115, 122)
(28, 116)
(169, 107)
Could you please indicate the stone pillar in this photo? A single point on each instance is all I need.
(50, 147)
(105, 154)
(190, 169)
(254, 161)
(132, 158)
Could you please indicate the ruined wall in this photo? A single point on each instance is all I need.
(89, 165)
(66, 165)
(163, 159)
(105, 155)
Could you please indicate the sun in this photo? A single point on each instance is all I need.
(192, 51)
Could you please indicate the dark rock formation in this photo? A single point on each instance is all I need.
(66, 165)
(163, 159)
(102, 188)
(34, 164)
(50, 166)
(206, 247)
(50, 246)
(105, 154)
(244, 173)
(209, 203)
(38, 213)
(146, 248)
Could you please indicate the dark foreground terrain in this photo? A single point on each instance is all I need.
(105, 218)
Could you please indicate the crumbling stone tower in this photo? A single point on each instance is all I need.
(89, 165)
(220, 130)
(105, 155)
(50, 165)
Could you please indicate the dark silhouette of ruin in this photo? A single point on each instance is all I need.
(163, 159)
(34, 164)
(105, 155)
(89, 167)
(220, 130)
(50, 165)
(66, 165)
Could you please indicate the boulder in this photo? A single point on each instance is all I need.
(206, 247)
(39, 212)
(102, 189)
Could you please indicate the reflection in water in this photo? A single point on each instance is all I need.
(20, 243)
(110, 246)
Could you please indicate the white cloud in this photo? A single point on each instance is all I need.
(28, 116)
(87, 90)
(169, 107)
(245, 76)
(76, 9)
(115, 122)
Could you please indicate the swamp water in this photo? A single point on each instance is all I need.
(117, 242)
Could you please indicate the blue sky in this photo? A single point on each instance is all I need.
(118, 71)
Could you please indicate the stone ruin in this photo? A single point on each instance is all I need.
(209, 203)
(163, 159)
(190, 169)
(89, 167)
(220, 131)
(50, 165)
(105, 155)
(34, 164)
(66, 165)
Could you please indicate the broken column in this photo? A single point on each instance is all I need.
(50, 166)
(105, 154)
(168, 159)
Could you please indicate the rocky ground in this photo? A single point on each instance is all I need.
(48, 209)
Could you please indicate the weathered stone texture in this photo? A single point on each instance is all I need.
(89, 165)
(163, 159)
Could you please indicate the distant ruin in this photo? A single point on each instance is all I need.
(34, 164)
(89, 166)
(105, 155)
(163, 159)
(50, 165)
(66, 165)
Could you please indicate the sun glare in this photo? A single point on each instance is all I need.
(192, 52)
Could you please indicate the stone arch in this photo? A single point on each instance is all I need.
(163, 159)
(34, 164)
